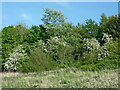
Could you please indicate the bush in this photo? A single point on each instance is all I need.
(37, 62)
(110, 62)
(113, 47)
(13, 61)
(66, 59)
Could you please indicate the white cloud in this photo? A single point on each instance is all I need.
(25, 16)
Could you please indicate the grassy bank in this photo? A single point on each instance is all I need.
(63, 78)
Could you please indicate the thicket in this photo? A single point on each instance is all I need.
(60, 44)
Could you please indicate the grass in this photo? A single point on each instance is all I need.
(63, 78)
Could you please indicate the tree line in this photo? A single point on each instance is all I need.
(60, 44)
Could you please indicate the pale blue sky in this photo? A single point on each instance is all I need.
(31, 12)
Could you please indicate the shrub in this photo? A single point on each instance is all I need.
(106, 39)
(54, 45)
(66, 59)
(91, 44)
(112, 47)
(93, 50)
(89, 57)
(37, 62)
(109, 62)
(12, 62)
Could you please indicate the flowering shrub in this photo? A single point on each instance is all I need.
(92, 45)
(103, 52)
(41, 44)
(54, 45)
(107, 38)
(13, 60)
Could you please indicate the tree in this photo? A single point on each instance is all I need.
(21, 32)
(110, 25)
(53, 21)
(52, 16)
(8, 39)
(12, 37)
(91, 28)
(113, 26)
(103, 23)
(104, 20)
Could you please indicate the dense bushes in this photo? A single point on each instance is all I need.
(60, 44)
(37, 61)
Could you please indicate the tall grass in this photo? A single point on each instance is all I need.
(62, 78)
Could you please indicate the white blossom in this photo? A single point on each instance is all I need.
(93, 44)
(107, 38)
(17, 54)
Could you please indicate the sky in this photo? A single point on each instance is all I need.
(31, 13)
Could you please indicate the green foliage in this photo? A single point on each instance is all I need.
(7, 40)
(113, 47)
(61, 44)
(21, 32)
(66, 59)
(111, 25)
(52, 16)
(52, 21)
(12, 62)
(36, 33)
(91, 28)
(37, 61)
(110, 62)
(12, 37)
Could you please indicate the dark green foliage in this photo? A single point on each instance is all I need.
(111, 25)
(91, 28)
(7, 40)
(12, 37)
(36, 33)
(66, 59)
(100, 65)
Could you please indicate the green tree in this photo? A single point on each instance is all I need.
(110, 25)
(12, 37)
(21, 32)
(104, 20)
(36, 33)
(91, 28)
(52, 16)
(52, 21)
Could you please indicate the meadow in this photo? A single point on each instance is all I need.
(63, 78)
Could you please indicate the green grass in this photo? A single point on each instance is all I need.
(62, 78)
